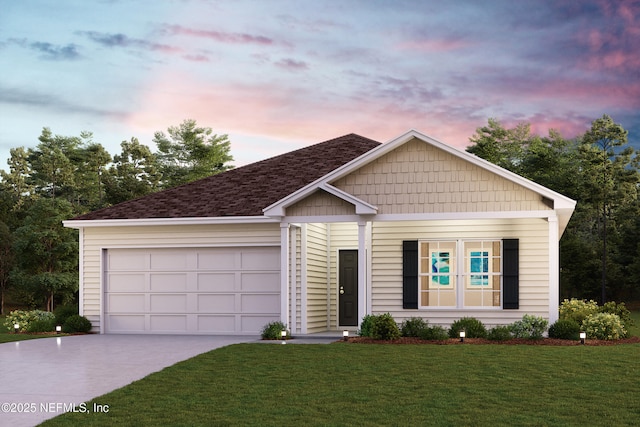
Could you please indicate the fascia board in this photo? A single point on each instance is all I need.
(78, 224)
(362, 207)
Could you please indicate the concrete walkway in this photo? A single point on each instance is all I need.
(42, 378)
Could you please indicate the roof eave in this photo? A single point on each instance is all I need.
(147, 222)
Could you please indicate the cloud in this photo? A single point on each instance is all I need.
(122, 40)
(47, 50)
(292, 65)
(219, 36)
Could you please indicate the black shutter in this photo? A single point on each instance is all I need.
(510, 274)
(410, 274)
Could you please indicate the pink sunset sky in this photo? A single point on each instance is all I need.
(280, 75)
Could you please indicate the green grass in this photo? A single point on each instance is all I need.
(359, 384)
(9, 336)
(634, 331)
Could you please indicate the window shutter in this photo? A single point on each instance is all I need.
(510, 274)
(410, 274)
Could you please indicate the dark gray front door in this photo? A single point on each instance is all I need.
(348, 287)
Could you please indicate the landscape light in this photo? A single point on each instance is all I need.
(283, 334)
(462, 335)
(58, 329)
(583, 336)
(16, 328)
(345, 335)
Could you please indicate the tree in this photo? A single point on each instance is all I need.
(501, 146)
(600, 142)
(190, 152)
(134, 173)
(90, 161)
(6, 261)
(51, 170)
(46, 253)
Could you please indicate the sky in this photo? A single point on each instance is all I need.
(280, 75)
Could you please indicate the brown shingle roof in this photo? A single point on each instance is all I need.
(243, 191)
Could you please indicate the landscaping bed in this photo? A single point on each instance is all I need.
(483, 341)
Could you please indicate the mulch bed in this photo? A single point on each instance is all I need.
(482, 341)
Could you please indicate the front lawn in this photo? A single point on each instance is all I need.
(378, 384)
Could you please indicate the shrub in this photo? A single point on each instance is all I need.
(472, 327)
(273, 331)
(42, 325)
(76, 323)
(366, 325)
(500, 333)
(63, 312)
(577, 310)
(25, 318)
(385, 328)
(413, 327)
(565, 329)
(604, 326)
(435, 332)
(530, 327)
(622, 312)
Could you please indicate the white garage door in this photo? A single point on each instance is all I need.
(191, 290)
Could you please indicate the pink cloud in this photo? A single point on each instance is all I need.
(223, 37)
(432, 45)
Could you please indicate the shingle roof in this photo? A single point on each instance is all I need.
(243, 191)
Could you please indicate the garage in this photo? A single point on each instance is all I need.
(230, 290)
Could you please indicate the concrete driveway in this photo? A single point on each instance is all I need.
(42, 378)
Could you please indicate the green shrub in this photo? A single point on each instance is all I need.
(413, 327)
(435, 332)
(500, 333)
(530, 327)
(366, 325)
(42, 325)
(565, 329)
(273, 331)
(577, 309)
(76, 323)
(604, 326)
(473, 328)
(25, 318)
(622, 312)
(63, 312)
(385, 328)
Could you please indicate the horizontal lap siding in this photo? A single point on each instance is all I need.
(386, 278)
(317, 292)
(95, 239)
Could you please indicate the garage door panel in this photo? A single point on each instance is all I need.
(164, 323)
(192, 290)
(126, 303)
(168, 282)
(217, 324)
(216, 282)
(260, 282)
(126, 323)
(126, 282)
(169, 303)
(259, 303)
(217, 303)
(217, 259)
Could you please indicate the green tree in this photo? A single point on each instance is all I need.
(46, 253)
(134, 173)
(90, 161)
(190, 152)
(6, 261)
(503, 147)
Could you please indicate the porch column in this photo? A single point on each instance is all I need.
(554, 269)
(362, 263)
(284, 274)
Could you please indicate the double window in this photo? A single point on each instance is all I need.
(459, 273)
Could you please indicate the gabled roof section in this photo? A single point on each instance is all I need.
(244, 191)
(562, 205)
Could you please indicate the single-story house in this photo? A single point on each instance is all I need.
(321, 236)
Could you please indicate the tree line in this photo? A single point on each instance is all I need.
(63, 177)
(66, 176)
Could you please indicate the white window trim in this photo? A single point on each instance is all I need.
(460, 276)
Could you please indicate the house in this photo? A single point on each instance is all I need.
(320, 237)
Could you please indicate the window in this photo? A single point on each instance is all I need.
(449, 280)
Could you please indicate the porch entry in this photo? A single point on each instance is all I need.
(348, 287)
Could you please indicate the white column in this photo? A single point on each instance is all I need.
(362, 264)
(554, 269)
(284, 273)
(292, 278)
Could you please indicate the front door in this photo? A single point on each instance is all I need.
(348, 287)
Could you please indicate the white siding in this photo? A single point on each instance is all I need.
(386, 272)
(97, 238)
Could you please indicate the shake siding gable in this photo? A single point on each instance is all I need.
(321, 203)
(420, 178)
